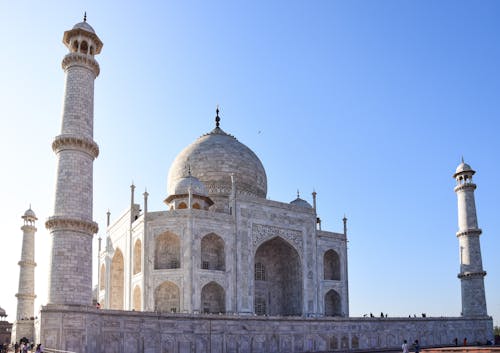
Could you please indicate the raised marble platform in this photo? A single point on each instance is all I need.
(90, 330)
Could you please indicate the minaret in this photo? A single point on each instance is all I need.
(71, 226)
(24, 325)
(471, 266)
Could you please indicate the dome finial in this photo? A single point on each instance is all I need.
(85, 16)
(298, 194)
(463, 159)
(217, 118)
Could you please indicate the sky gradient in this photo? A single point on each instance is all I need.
(370, 103)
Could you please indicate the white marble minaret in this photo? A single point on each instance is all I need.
(471, 265)
(71, 226)
(24, 324)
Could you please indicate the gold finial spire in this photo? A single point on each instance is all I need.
(217, 118)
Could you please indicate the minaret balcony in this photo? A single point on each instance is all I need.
(27, 263)
(465, 186)
(79, 59)
(471, 275)
(74, 142)
(469, 232)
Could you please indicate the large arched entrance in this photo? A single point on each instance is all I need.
(117, 279)
(278, 279)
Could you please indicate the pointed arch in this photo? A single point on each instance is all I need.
(212, 252)
(137, 299)
(332, 303)
(354, 342)
(334, 343)
(84, 47)
(331, 265)
(182, 206)
(280, 285)
(167, 297)
(117, 281)
(344, 342)
(102, 279)
(213, 299)
(167, 251)
(137, 256)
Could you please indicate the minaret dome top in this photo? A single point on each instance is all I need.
(29, 215)
(83, 39)
(463, 168)
(85, 26)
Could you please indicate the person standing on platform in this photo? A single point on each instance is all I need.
(404, 347)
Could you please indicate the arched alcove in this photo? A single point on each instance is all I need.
(137, 299)
(117, 281)
(281, 286)
(213, 299)
(167, 251)
(331, 264)
(354, 342)
(102, 279)
(84, 47)
(334, 343)
(167, 297)
(212, 252)
(137, 256)
(332, 303)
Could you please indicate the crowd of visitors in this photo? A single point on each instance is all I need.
(22, 346)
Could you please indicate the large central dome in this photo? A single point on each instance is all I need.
(213, 158)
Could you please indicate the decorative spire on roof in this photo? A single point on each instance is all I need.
(463, 159)
(85, 16)
(298, 194)
(217, 118)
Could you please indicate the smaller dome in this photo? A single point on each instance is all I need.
(462, 168)
(301, 203)
(183, 185)
(29, 214)
(85, 26)
(2, 312)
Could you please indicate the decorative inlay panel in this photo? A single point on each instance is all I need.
(261, 233)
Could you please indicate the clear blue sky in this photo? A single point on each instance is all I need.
(370, 103)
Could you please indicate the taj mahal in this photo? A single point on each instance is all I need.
(220, 246)
(220, 268)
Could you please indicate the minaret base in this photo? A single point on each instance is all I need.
(23, 329)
